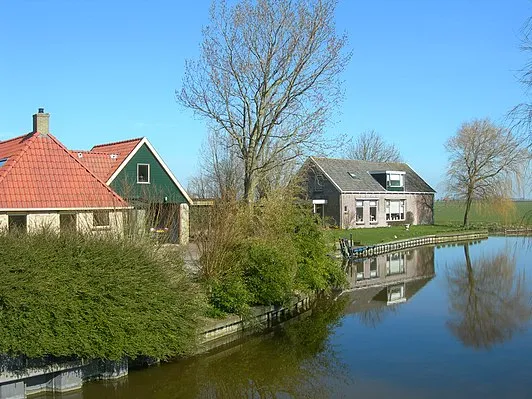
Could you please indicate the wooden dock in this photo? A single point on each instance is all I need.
(352, 249)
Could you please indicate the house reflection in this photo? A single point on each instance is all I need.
(388, 279)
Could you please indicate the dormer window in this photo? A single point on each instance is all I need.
(143, 173)
(3, 161)
(395, 181)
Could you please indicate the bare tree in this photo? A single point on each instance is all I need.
(370, 146)
(220, 170)
(521, 115)
(489, 300)
(268, 78)
(485, 163)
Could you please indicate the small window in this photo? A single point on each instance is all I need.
(345, 209)
(101, 219)
(3, 161)
(373, 211)
(17, 223)
(143, 173)
(67, 222)
(360, 211)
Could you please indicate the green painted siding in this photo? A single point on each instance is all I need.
(160, 186)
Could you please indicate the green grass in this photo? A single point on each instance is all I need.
(452, 212)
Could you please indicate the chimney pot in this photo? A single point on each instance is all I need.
(41, 122)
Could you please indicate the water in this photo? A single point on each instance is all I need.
(425, 323)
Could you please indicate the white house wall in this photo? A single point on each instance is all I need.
(38, 221)
(4, 222)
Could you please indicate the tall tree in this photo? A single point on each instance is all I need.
(370, 146)
(268, 78)
(485, 162)
(521, 114)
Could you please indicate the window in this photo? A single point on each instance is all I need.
(67, 222)
(143, 173)
(395, 181)
(318, 183)
(360, 211)
(3, 161)
(373, 211)
(373, 272)
(396, 293)
(17, 222)
(395, 210)
(101, 219)
(395, 263)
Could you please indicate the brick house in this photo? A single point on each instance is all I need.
(352, 193)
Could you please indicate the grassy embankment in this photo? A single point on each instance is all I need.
(448, 218)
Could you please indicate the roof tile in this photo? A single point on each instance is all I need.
(40, 173)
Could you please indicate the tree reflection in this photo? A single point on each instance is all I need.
(294, 361)
(488, 298)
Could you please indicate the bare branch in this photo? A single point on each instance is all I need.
(268, 78)
(370, 146)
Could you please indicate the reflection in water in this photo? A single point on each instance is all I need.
(379, 284)
(300, 364)
(489, 300)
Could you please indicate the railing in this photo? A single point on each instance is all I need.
(349, 251)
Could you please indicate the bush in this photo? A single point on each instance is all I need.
(269, 272)
(264, 254)
(93, 297)
(230, 295)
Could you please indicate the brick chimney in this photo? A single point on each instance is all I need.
(41, 122)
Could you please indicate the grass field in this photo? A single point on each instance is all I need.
(448, 217)
(452, 212)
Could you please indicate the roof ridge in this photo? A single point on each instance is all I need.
(30, 140)
(90, 152)
(87, 169)
(116, 142)
(357, 160)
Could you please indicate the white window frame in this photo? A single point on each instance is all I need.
(402, 206)
(359, 204)
(149, 173)
(376, 206)
(395, 263)
(395, 174)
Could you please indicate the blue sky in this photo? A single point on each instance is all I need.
(107, 71)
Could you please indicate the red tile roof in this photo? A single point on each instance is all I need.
(40, 173)
(104, 159)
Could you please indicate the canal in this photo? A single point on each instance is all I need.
(431, 322)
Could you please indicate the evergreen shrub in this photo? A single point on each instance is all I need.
(93, 297)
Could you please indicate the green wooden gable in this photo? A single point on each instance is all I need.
(161, 188)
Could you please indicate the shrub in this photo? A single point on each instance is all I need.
(269, 272)
(93, 297)
(264, 254)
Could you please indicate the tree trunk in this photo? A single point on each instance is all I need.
(469, 200)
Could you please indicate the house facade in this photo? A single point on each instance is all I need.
(135, 170)
(356, 194)
(44, 186)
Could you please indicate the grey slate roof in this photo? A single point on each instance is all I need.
(340, 171)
